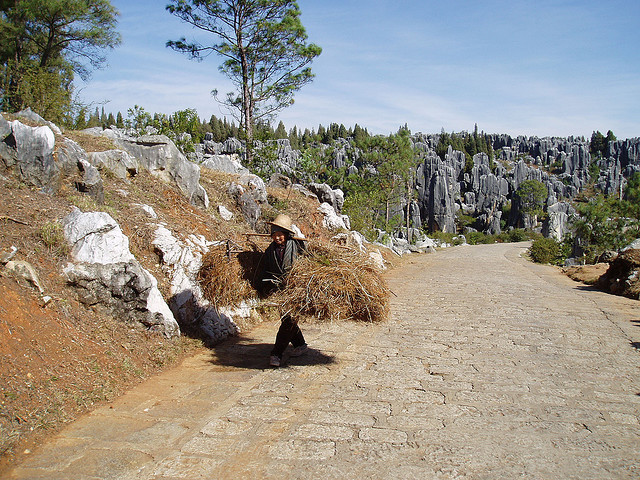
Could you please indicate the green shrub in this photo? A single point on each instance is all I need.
(545, 250)
(515, 235)
(464, 221)
(446, 237)
(476, 238)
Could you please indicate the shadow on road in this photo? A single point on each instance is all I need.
(249, 353)
(588, 288)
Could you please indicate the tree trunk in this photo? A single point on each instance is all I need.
(408, 217)
(247, 110)
(386, 216)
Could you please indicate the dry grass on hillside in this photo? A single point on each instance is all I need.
(90, 143)
(62, 360)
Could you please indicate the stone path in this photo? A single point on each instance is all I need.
(490, 368)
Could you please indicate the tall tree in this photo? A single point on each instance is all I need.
(532, 194)
(598, 144)
(44, 43)
(281, 131)
(395, 162)
(264, 51)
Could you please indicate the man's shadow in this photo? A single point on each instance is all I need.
(245, 352)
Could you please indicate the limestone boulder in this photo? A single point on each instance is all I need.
(557, 222)
(28, 152)
(326, 194)
(106, 273)
(224, 163)
(331, 220)
(29, 114)
(181, 260)
(232, 145)
(160, 156)
(118, 162)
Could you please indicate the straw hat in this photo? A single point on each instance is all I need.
(284, 222)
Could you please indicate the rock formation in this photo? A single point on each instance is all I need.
(107, 274)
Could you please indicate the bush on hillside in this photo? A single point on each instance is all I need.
(545, 250)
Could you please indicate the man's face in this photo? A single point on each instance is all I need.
(278, 237)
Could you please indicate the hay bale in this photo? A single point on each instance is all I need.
(332, 284)
(227, 280)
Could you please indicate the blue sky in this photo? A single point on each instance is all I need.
(544, 68)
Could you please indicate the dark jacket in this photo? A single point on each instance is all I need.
(274, 269)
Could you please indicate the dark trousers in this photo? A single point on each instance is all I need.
(289, 332)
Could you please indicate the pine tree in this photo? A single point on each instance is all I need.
(321, 134)
(81, 119)
(359, 135)
(294, 138)
(94, 119)
(281, 131)
(307, 137)
(598, 144)
(44, 44)
(218, 130)
(264, 49)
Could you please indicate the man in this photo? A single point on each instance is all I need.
(278, 259)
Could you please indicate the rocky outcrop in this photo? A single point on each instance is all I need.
(31, 153)
(556, 225)
(160, 156)
(446, 186)
(32, 116)
(249, 193)
(181, 260)
(223, 163)
(28, 153)
(331, 220)
(326, 194)
(438, 189)
(118, 162)
(105, 273)
(623, 275)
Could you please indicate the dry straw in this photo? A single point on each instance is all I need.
(228, 279)
(332, 284)
(327, 283)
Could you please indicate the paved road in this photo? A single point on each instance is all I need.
(490, 368)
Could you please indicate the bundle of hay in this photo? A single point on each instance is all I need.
(227, 278)
(331, 284)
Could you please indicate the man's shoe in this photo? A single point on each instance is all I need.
(301, 350)
(274, 361)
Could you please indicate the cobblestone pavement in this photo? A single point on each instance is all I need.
(490, 368)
